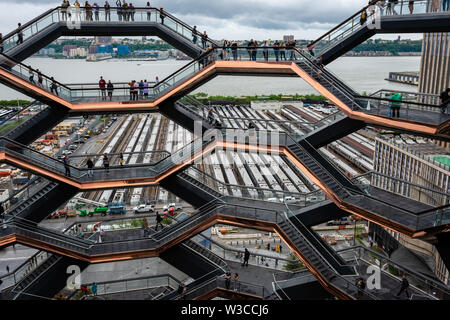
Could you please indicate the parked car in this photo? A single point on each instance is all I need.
(97, 211)
(143, 208)
(176, 207)
(117, 208)
(289, 199)
(57, 215)
(312, 199)
(338, 222)
(168, 211)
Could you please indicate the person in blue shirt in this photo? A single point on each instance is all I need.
(107, 11)
(141, 89)
(94, 289)
(119, 9)
(96, 11)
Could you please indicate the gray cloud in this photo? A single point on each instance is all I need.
(252, 12)
(232, 19)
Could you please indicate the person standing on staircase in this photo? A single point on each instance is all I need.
(119, 9)
(246, 257)
(110, 88)
(121, 160)
(96, 11)
(106, 162)
(90, 165)
(210, 116)
(319, 68)
(19, 33)
(395, 104)
(107, 7)
(102, 86)
(40, 78)
(149, 11)
(227, 279)
(404, 286)
(66, 165)
(53, 87)
(204, 39)
(158, 221)
(445, 100)
(194, 35)
(162, 15)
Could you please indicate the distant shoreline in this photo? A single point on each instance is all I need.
(125, 58)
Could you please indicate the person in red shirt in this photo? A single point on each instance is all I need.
(102, 86)
(84, 289)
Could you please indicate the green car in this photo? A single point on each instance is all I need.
(99, 210)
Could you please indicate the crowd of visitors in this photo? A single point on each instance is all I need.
(391, 7)
(137, 90)
(125, 11)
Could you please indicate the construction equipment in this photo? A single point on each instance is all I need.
(98, 210)
(117, 208)
(81, 213)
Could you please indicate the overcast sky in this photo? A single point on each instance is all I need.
(225, 19)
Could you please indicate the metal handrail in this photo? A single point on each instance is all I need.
(411, 271)
(241, 251)
(191, 246)
(274, 285)
(81, 170)
(16, 62)
(162, 83)
(341, 24)
(323, 246)
(15, 31)
(215, 279)
(20, 223)
(23, 264)
(248, 187)
(403, 102)
(320, 165)
(287, 124)
(401, 181)
(59, 8)
(337, 274)
(28, 184)
(18, 112)
(407, 92)
(132, 279)
(33, 281)
(355, 23)
(351, 192)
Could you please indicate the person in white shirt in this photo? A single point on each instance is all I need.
(149, 11)
(136, 89)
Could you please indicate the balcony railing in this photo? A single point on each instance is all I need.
(73, 17)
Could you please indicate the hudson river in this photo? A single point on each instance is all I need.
(361, 73)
